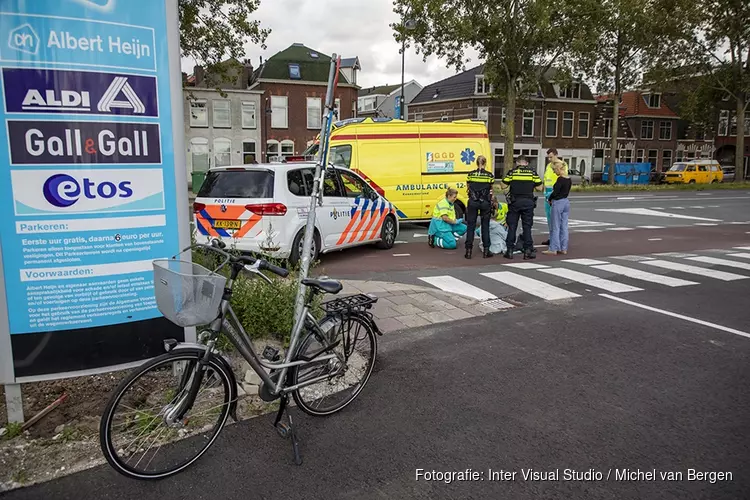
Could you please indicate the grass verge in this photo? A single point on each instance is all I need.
(598, 188)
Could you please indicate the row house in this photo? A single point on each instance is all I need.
(221, 127)
(554, 117)
(383, 101)
(293, 85)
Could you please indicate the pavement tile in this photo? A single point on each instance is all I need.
(477, 310)
(436, 317)
(387, 325)
(413, 320)
(407, 309)
(457, 300)
(383, 312)
(458, 314)
(384, 301)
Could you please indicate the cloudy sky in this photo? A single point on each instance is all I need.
(349, 28)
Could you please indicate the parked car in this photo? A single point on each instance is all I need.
(695, 172)
(729, 173)
(578, 179)
(263, 209)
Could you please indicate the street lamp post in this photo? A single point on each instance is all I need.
(408, 25)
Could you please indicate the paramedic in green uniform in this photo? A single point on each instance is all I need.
(444, 227)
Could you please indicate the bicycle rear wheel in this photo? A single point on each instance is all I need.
(141, 417)
(345, 375)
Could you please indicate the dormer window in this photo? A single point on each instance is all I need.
(294, 72)
(652, 100)
(482, 87)
(572, 92)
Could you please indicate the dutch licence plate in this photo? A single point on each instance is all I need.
(227, 224)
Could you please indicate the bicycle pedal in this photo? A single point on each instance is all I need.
(271, 353)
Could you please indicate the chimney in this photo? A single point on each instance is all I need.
(200, 76)
(247, 74)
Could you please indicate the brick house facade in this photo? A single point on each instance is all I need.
(293, 84)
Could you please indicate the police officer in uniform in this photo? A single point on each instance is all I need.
(522, 182)
(479, 184)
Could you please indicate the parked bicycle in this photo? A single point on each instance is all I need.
(162, 401)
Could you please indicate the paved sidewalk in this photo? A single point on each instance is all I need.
(401, 306)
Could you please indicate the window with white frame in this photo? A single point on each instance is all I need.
(551, 129)
(733, 125)
(198, 113)
(583, 124)
(248, 152)
(418, 117)
(652, 100)
(337, 109)
(314, 112)
(279, 111)
(653, 157)
(367, 103)
(639, 156)
(528, 123)
(626, 155)
(571, 92)
(647, 129)
(666, 159)
(272, 150)
(567, 123)
(287, 148)
(483, 113)
(665, 131)
(199, 154)
(607, 133)
(723, 122)
(222, 113)
(248, 115)
(482, 87)
(222, 152)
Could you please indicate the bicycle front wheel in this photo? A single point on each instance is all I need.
(150, 429)
(343, 377)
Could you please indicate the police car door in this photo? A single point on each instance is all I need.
(366, 207)
(335, 213)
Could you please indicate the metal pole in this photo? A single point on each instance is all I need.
(14, 403)
(403, 64)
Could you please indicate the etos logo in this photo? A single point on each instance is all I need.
(30, 90)
(37, 192)
(62, 190)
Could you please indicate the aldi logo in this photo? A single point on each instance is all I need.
(30, 90)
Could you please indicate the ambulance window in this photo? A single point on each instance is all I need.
(238, 184)
(341, 156)
(354, 186)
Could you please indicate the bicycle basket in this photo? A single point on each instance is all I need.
(187, 294)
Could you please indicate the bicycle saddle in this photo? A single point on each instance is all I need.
(325, 285)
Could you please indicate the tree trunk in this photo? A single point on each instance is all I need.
(510, 128)
(613, 144)
(739, 150)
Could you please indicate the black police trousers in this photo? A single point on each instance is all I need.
(522, 208)
(482, 209)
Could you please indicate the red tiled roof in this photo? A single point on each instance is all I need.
(633, 104)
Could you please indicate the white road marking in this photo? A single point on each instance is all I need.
(637, 274)
(587, 279)
(531, 286)
(657, 208)
(713, 206)
(721, 262)
(675, 315)
(697, 206)
(740, 223)
(700, 271)
(653, 213)
(742, 248)
(588, 230)
(401, 254)
(633, 258)
(454, 285)
(679, 208)
(650, 227)
(676, 255)
(626, 197)
(654, 198)
(419, 235)
(620, 228)
(397, 242)
(585, 262)
(526, 265)
(705, 224)
(741, 255)
(654, 239)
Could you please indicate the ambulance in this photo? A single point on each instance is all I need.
(411, 164)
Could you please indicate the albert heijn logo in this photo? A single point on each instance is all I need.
(30, 90)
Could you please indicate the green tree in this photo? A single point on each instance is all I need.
(214, 30)
(627, 33)
(713, 47)
(519, 40)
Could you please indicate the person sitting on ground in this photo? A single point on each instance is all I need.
(445, 227)
(559, 212)
(498, 227)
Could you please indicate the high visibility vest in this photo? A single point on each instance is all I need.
(550, 177)
(502, 212)
(444, 207)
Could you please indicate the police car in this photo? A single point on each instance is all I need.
(262, 208)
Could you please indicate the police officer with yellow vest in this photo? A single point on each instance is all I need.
(479, 184)
(522, 182)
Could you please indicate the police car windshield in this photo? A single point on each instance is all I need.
(677, 167)
(238, 184)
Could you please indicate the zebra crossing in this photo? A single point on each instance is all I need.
(576, 277)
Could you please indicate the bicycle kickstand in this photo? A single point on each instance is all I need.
(286, 430)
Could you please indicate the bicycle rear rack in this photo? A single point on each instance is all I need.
(351, 302)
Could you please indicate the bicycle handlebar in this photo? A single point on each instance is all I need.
(218, 246)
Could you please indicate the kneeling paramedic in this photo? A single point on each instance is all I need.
(444, 227)
(522, 182)
(479, 184)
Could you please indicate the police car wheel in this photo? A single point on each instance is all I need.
(387, 234)
(296, 255)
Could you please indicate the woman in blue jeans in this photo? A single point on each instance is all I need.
(559, 211)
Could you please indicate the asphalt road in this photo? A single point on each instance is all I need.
(578, 385)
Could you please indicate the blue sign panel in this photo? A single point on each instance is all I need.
(30, 90)
(88, 192)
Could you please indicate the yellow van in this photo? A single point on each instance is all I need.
(410, 163)
(694, 172)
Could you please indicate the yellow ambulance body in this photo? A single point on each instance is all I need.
(410, 163)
